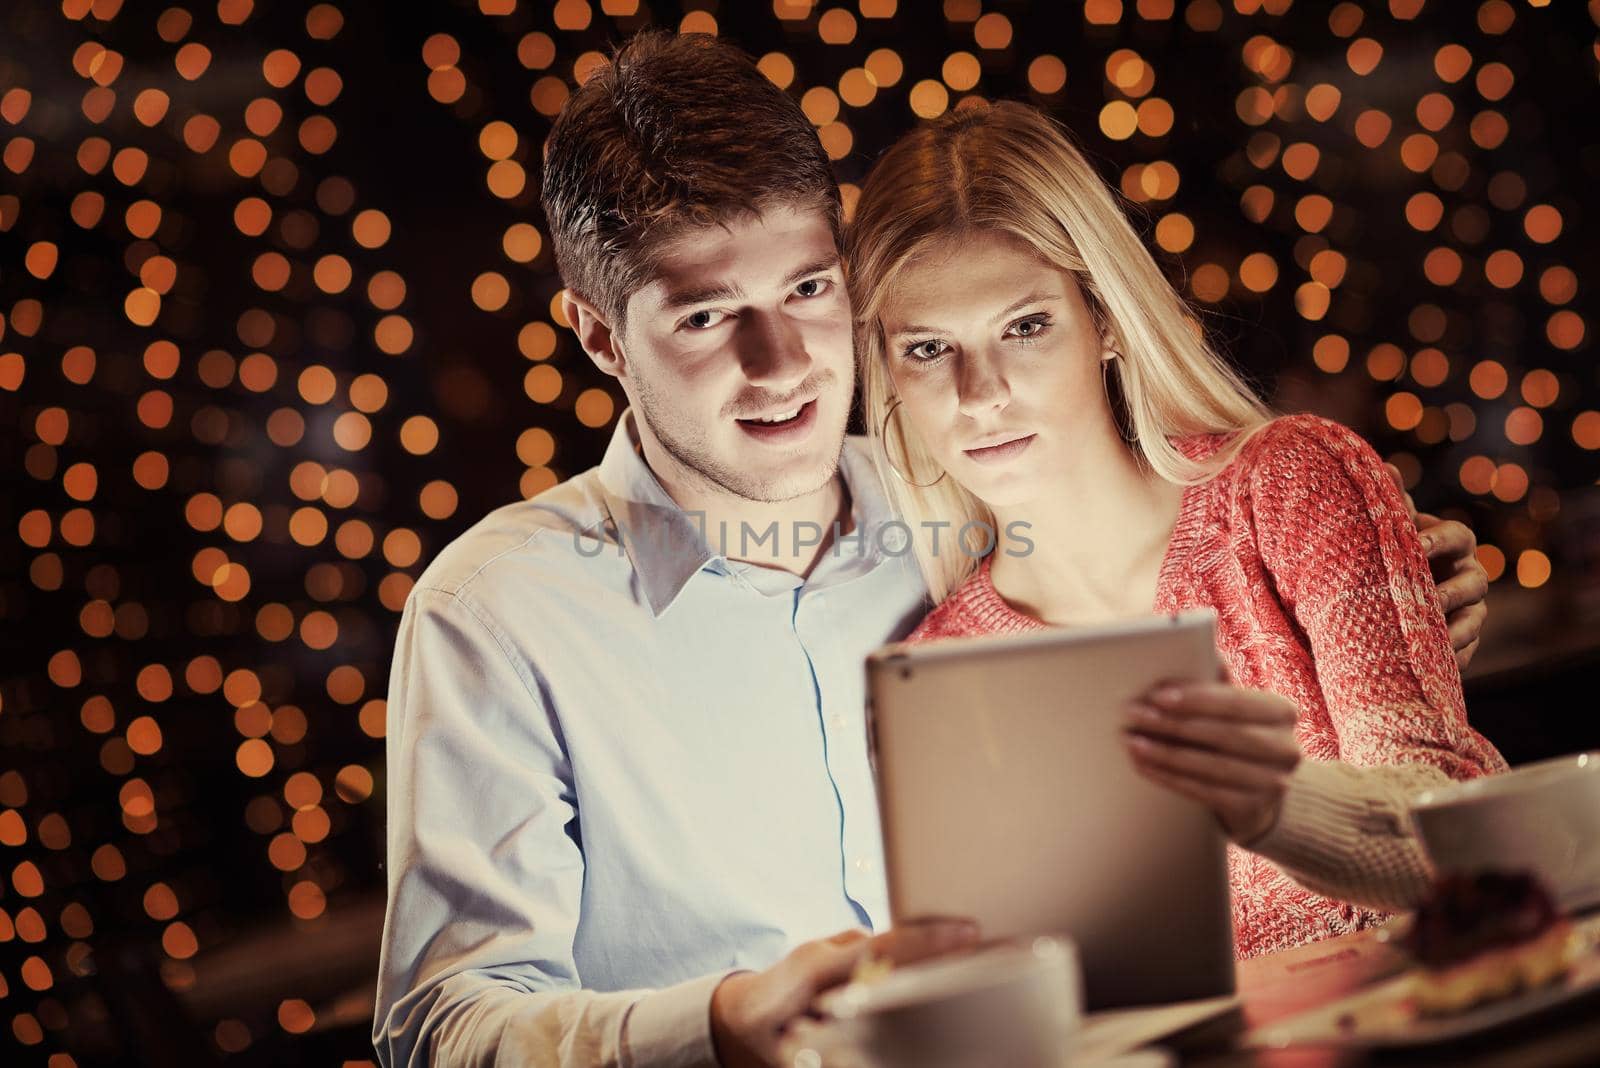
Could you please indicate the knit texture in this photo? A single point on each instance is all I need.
(1303, 548)
(1345, 832)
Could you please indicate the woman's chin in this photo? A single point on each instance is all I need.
(1000, 489)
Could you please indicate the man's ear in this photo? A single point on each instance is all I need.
(594, 334)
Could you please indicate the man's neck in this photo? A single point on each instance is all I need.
(789, 535)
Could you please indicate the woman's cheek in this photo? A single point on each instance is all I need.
(921, 409)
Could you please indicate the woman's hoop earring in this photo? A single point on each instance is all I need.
(883, 435)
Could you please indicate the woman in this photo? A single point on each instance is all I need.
(1025, 362)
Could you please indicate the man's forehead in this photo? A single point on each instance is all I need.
(751, 250)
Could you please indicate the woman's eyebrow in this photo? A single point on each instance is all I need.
(1032, 298)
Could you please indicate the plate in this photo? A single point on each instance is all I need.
(1109, 1039)
(1383, 1015)
(824, 1044)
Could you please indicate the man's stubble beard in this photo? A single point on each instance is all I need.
(688, 446)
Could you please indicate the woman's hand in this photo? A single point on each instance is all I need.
(1229, 748)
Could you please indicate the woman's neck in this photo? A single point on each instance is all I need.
(1099, 539)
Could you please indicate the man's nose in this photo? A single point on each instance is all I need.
(773, 352)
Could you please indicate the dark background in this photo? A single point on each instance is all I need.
(191, 719)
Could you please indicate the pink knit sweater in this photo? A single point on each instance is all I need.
(1303, 548)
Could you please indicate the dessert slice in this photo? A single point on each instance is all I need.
(1486, 936)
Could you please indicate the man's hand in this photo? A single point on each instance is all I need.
(1452, 551)
(1230, 748)
(749, 1010)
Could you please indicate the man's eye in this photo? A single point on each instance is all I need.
(704, 320)
(813, 287)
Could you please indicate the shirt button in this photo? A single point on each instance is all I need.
(863, 864)
(836, 721)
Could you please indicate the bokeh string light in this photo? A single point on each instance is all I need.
(277, 270)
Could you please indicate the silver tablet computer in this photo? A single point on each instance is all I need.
(1007, 795)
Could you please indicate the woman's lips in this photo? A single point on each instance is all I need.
(999, 453)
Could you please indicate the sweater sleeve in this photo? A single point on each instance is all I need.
(1347, 563)
(1343, 832)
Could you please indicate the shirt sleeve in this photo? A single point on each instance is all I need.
(485, 874)
(1347, 563)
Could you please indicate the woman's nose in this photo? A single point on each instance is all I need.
(980, 385)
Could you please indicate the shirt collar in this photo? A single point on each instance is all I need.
(667, 545)
(869, 504)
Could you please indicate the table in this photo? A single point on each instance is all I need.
(1279, 985)
(1274, 988)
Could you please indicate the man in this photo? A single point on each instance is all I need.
(627, 755)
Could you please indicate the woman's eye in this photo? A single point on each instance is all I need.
(812, 287)
(1029, 328)
(926, 350)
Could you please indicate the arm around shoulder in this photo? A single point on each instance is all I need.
(1346, 561)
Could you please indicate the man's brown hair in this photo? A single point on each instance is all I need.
(676, 131)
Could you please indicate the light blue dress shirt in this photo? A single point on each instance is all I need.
(621, 766)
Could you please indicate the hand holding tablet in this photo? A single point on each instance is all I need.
(1008, 794)
(1229, 748)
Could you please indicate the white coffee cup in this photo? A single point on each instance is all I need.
(1017, 1004)
(1543, 818)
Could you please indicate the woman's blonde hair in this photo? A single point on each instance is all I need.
(1010, 169)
